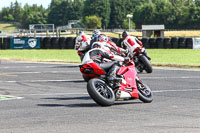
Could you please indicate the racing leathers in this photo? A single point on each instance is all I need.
(82, 44)
(113, 47)
(133, 44)
(111, 67)
(116, 49)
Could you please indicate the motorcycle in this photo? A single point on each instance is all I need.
(142, 61)
(105, 93)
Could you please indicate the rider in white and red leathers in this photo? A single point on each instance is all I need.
(132, 44)
(98, 53)
(82, 43)
(113, 47)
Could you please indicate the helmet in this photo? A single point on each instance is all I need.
(96, 45)
(103, 38)
(81, 32)
(83, 46)
(79, 38)
(96, 33)
(101, 45)
(125, 34)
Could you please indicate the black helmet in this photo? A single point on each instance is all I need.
(125, 34)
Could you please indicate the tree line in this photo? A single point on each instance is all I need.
(174, 14)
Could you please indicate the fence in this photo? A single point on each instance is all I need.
(151, 43)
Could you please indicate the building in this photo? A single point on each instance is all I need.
(153, 31)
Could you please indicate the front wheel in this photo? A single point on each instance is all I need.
(86, 79)
(145, 93)
(100, 92)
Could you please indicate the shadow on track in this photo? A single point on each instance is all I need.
(69, 105)
(69, 98)
(83, 104)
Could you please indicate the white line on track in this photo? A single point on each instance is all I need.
(175, 69)
(78, 80)
(57, 94)
(34, 81)
(183, 77)
(9, 97)
(60, 94)
(12, 67)
(185, 90)
(48, 94)
(40, 72)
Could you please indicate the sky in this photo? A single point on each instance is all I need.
(44, 3)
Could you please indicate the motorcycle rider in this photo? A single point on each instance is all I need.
(133, 44)
(82, 43)
(98, 53)
(113, 47)
(95, 35)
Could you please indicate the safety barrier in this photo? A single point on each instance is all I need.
(68, 43)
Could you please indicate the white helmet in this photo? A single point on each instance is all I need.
(101, 45)
(103, 38)
(96, 45)
(96, 32)
(83, 46)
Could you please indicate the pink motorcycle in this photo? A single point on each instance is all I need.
(105, 93)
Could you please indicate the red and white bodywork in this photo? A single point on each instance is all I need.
(132, 43)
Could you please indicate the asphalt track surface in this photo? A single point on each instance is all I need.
(52, 98)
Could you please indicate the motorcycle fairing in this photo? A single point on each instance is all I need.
(129, 74)
(91, 70)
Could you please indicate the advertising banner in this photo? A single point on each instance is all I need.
(25, 43)
(196, 43)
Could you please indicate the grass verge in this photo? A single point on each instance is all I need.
(41, 55)
(160, 57)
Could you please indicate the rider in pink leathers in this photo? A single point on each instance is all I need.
(132, 44)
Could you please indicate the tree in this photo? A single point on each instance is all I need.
(63, 11)
(10, 17)
(163, 12)
(92, 22)
(118, 13)
(144, 14)
(17, 11)
(33, 15)
(75, 9)
(4, 14)
(57, 14)
(126, 24)
(100, 8)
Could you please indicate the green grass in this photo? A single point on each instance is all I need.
(41, 55)
(175, 56)
(5, 26)
(187, 57)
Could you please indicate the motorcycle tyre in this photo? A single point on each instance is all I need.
(86, 79)
(96, 96)
(144, 98)
(148, 67)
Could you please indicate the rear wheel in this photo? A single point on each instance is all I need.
(100, 92)
(147, 65)
(144, 92)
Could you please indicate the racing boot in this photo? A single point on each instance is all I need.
(112, 74)
(145, 53)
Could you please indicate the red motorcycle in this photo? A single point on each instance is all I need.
(105, 93)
